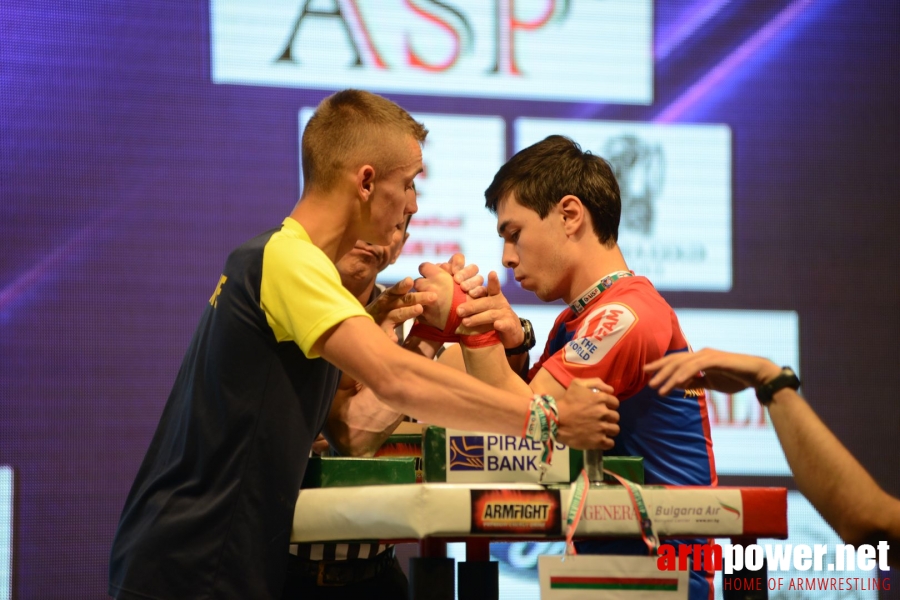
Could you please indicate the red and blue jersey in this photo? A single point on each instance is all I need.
(612, 336)
(619, 331)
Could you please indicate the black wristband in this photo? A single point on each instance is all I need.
(786, 379)
(527, 343)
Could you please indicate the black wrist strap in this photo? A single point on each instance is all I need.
(527, 343)
(785, 379)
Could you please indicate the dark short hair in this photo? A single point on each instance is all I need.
(541, 174)
(351, 128)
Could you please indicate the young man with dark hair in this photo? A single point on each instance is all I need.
(210, 512)
(558, 212)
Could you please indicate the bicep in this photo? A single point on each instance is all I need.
(301, 294)
(545, 383)
(361, 350)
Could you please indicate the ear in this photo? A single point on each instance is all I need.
(572, 212)
(365, 181)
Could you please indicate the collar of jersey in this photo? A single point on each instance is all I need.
(295, 227)
(599, 286)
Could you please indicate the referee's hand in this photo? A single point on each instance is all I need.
(397, 304)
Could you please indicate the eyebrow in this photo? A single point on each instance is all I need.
(501, 228)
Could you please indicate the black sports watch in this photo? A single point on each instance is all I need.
(786, 379)
(527, 343)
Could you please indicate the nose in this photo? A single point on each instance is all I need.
(509, 259)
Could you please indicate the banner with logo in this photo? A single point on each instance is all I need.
(567, 50)
(487, 458)
(700, 511)
(525, 512)
(675, 182)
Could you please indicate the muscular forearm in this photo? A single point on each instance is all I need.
(459, 401)
(437, 394)
(832, 479)
(491, 366)
(418, 387)
(518, 364)
(359, 423)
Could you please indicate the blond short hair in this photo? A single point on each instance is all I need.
(349, 129)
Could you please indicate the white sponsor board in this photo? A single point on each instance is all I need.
(675, 182)
(566, 50)
(6, 532)
(744, 441)
(474, 457)
(707, 511)
(461, 155)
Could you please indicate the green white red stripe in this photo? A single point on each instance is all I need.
(652, 584)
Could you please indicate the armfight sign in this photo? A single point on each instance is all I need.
(567, 50)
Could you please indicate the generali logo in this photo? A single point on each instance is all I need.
(599, 50)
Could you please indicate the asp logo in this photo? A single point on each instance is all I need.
(484, 48)
(467, 453)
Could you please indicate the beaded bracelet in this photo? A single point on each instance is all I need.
(542, 425)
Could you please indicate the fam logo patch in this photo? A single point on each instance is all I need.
(600, 331)
(467, 453)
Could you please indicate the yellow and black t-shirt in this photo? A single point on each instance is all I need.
(210, 512)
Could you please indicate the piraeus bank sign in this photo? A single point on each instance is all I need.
(567, 50)
(487, 458)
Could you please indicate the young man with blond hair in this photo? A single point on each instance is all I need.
(211, 508)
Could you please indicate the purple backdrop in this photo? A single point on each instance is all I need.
(126, 176)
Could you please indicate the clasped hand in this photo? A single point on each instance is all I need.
(485, 307)
(404, 300)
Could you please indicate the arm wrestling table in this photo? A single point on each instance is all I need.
(436, 513)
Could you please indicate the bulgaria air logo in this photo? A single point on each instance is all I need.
(730, 509)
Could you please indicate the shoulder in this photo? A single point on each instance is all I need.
(635, 311)
(286, 252)
(642, 299)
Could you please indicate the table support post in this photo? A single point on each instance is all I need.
(431, 574)
(479, 576)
